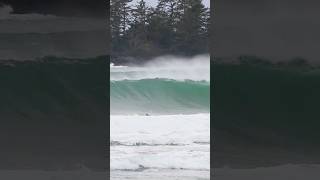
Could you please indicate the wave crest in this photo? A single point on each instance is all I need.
(166, 67)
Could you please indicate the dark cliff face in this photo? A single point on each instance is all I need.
(53, 114)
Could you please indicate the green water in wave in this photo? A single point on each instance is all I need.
(159, 96)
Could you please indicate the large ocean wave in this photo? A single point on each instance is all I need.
(160, 117)
(159, 96)
(174, 86)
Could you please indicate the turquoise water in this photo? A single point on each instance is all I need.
(159, 96)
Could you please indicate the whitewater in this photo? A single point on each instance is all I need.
(160, 119)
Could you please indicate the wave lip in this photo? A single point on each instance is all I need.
(167, 67)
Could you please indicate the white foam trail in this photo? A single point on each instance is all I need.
(162, 129)
(167, 174)
(160, 142)
(166, 67)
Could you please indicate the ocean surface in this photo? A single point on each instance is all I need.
(160, 119)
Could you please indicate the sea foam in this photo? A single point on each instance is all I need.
(165, 67)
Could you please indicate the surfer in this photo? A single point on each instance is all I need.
(147, 114)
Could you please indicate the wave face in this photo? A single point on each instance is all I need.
(159, 96)
(161, 87)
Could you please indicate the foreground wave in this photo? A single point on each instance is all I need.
(167, 85)
(159, 96)
(160, 121)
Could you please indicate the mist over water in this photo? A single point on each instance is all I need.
(166, 67)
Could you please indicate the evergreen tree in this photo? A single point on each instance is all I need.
(119, 12)
(172, 27)
(168, 10)
(165, 23)
(193, 17)
(138, 26)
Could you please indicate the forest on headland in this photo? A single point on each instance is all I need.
(175, 27)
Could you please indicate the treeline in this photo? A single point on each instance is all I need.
(179, 27)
